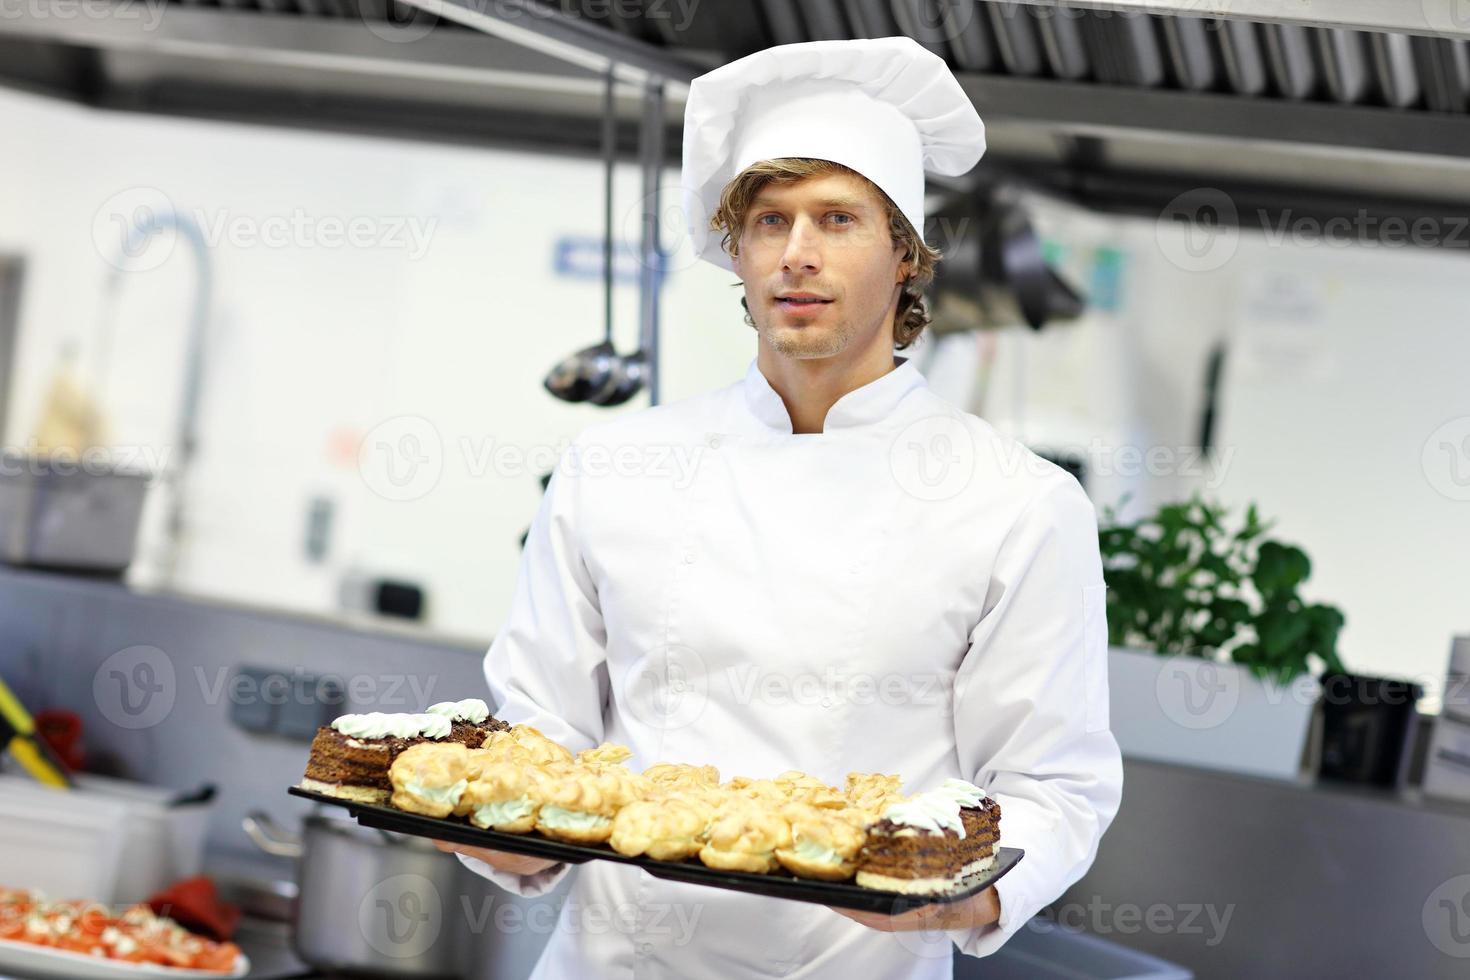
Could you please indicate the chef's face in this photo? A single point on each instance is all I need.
(821, 272)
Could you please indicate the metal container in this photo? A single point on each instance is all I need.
(370, 902)
(80, 514)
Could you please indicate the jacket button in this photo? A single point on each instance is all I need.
(713, 442)
(688, 557)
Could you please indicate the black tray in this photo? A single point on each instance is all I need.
(779, 884)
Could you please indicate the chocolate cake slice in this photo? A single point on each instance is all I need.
(467, 718)
(930, 842)
(350, 758)
(981, 818)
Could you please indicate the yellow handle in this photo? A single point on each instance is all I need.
(28, 754)
(14, 712)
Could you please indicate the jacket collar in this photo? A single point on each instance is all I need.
(866, 405)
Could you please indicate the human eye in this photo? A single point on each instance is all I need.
(850, 220)
(761, 220)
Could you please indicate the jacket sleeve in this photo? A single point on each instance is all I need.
(1031, 706)
(547, 667)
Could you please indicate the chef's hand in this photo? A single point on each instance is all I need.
(978, 910)
(516, 864)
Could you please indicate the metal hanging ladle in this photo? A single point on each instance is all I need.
(599, 374)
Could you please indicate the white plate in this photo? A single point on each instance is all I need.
(26, 960)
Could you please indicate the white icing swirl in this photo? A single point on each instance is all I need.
(963, 793)
(472, 710)
(433, 726)
(377, 724)
(929, 812)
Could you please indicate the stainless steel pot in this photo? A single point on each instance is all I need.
(371, 902)
(57, 513)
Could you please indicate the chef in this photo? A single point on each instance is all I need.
(822, 566)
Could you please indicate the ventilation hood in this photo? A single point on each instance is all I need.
(1346, 102)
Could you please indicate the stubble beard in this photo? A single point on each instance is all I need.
(810, 341)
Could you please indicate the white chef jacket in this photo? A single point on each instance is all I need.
(905, 592)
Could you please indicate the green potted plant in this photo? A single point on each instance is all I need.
(1214, 653)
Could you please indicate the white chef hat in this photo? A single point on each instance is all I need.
(885, 107)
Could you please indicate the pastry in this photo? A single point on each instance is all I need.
(540, 749)
(501, 798)
(921, 845)
(350, 758)
(606, 754)
(430, 778)
(823, 845)
(744, 836)
(670, 828)
(873, 791)
(802, 788)
(578, 803)
(981, 817)
(679, 775)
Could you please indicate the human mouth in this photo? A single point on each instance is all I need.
(802, 304)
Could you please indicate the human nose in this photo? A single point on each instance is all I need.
(803, 248)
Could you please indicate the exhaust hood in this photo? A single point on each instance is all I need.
(1368, 100)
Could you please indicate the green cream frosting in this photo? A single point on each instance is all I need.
(559, 819)
(504, 811)
(439, 794)
(810, 851)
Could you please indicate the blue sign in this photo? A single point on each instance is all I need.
(581, 258)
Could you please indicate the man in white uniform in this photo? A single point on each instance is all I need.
(823, 566)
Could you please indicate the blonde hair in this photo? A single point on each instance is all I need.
(735, 202)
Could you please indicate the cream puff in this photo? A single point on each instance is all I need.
(502, 798)
(430, 778)
(680, 775)
(744, 836)
(578, 803)
(670, 828)
(824, 845)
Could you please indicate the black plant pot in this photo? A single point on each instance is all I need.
(1368, 726)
